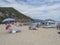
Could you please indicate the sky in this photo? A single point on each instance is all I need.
(36, 9)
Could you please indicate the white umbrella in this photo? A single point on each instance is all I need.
(8, 20)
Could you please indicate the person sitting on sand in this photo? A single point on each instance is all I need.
(34, 28)
(37, 25)
(11, 28)
(30, 28)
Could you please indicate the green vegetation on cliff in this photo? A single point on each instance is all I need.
(9, 12)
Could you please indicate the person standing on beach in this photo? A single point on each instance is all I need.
(58, 26)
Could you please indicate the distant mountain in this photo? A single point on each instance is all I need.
(38, 20)
(49, 20)
(9, 12)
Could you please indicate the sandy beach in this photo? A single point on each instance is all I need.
(41, 36)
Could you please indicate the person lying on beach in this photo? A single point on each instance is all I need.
(32, 28)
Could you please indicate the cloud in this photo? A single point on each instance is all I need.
(42, 2)
(45, 9)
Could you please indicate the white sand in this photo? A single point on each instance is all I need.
(30, 37)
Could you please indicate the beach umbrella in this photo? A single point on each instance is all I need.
(8, 20)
